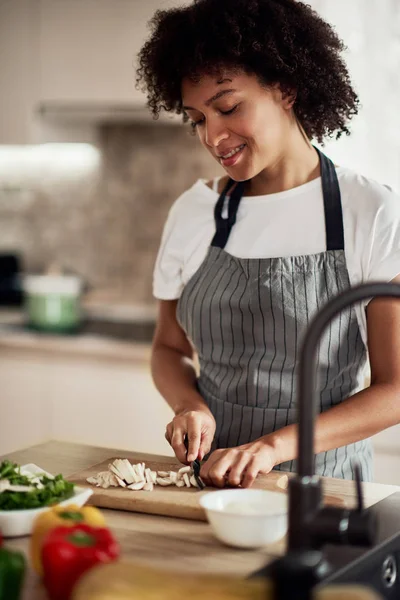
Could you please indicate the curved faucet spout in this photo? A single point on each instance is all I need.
(308, 375)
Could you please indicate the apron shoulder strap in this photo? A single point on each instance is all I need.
(332, 204)
(332, 208)
(224, 226)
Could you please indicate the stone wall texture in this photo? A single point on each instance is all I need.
(105, 225)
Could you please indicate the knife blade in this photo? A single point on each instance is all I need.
(196, 468)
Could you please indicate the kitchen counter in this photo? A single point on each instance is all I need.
(114, 332)
(164, 542)
(82, 346)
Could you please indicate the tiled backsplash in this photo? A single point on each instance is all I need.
(105, 223)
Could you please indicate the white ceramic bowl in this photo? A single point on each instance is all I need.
(246, 518)
(14, 523)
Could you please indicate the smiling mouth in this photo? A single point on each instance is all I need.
(229, 159)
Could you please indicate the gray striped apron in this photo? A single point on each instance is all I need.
(247, 318)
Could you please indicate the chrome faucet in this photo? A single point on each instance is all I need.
(311, 524)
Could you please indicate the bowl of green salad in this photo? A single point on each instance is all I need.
(28, 490)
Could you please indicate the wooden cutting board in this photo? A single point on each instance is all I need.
(167, 501)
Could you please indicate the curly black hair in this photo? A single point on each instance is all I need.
(279, 41)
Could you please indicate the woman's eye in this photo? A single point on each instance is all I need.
(195, 124)
(230, 111)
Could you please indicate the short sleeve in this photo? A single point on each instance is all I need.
(167, 275)
(381, 259)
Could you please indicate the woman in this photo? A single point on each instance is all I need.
(247, 260)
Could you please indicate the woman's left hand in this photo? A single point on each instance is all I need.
(238, 466)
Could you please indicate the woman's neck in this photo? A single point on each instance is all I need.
(298, 164)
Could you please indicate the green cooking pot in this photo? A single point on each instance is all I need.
(52, 302)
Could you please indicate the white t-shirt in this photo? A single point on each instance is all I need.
(286, 223)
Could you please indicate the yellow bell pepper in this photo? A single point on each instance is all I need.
(56, 516)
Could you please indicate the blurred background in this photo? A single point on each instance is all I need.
(86, 181)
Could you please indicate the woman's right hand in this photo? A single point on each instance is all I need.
(199, 427)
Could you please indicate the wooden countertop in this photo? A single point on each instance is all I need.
(163, 541)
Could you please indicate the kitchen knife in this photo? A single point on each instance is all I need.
(196, 468)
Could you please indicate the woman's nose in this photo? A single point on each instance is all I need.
(215, 133)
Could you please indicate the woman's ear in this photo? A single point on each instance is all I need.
(288, 98)
(288, 95)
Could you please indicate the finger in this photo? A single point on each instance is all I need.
(205, 444)
(177, 443)
(205, 467)
(238, 468)
(251, 472)
(168, 432)
(220, 469)
(193, 440)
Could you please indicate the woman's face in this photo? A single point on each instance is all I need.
(242, 124)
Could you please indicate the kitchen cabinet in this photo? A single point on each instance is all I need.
(19, 69)
(88, 49)
(25, 401)
(75, 54)
(86, 400)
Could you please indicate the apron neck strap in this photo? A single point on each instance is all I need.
(224, 226)
(332, 207)
(332, 204)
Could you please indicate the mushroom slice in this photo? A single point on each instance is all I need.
(149, 477)
(148, 487)
(164, 481)
(114, 470)
(131, 470)
(193, 481)
(180, 483)
(103, 479)
(137, 473)
(184, 470)
(125, 470)
(137, 486)
(154, 476)
(173, 476)
(141, 468)
(186, 479)
(109, 479)
(163, 473)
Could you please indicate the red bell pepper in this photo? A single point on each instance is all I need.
(68, 552)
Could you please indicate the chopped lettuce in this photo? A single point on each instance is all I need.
(46, 490)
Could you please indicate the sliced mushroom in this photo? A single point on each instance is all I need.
(148, 487)
(148, 475)
(163, 473)
(180, 483)
(141, 470)
(164, 481)
(137, 486)
(186, 479)
(186, 469)
(193, 481)
(115, 470)
(104, 479)
(130, 470)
